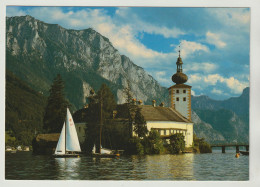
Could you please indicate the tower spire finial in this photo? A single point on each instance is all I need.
(180, 50)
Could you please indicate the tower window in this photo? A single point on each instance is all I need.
(177, 91)
(177, 98)
(184, 91)
(184, 98)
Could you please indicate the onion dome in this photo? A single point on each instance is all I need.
(179, 77)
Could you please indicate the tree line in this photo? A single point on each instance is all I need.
(100, 122)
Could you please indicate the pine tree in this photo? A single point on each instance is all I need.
(55, 111)
(140, 127)
(102, 102)
(131, 107)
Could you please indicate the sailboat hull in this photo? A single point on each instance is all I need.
(65, 155)
(105, 155)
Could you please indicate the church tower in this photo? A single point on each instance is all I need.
(180, 93)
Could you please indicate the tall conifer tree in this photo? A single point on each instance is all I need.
(140, 127)
(55, 111)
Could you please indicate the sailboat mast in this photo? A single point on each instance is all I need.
(65, 131)
(101, 106)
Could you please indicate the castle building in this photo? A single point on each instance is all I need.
(166, 120)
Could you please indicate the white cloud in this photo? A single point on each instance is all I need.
(141, 26)
(193, 93)
(11, 11)
(203, 66)
(160, 76)
(216, 91)
(238, 18)
(214, 39)
(233, 84)
(188, 48)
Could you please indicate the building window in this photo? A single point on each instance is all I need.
(177, 91)
(184, 91)
(177, 98)
(184, 98)
(164, 132)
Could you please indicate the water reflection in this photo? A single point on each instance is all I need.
(68, 168)
(214, 166)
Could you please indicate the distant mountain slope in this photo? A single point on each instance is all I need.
(37, 51)
(24, 109)
(240, 105)
(230, 118)
(225, 122)
(205, 130)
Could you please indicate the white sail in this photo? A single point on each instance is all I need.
(60, 149)
(94, 149)
(105, 151)
(72, 141)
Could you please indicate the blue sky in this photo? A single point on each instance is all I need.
(214, 41)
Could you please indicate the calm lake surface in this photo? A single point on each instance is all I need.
(212, 166)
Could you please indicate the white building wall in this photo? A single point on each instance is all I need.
(172, 128)
(80, 128)
(181, 101)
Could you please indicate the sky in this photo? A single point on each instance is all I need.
(214, 42)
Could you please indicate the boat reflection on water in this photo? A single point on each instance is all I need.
(68, 168)
(101, 160)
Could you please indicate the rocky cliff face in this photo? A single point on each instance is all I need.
(37, 51)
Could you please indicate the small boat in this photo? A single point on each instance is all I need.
(104, 153)
(68, 144)
(244, 152)
(237, 155)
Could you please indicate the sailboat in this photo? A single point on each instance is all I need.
(104, 152)
(68, 144)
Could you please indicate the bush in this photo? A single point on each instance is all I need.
(177, 143)
(153, 144)
(135, 146)
(200, 145)
(204, 147)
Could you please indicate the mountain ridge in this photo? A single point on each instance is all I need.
(57, 49)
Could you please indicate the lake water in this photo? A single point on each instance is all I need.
(201, 167)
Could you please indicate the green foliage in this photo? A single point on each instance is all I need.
(24, 111)
(10, 139)
(130, 107)
(153, 143)
(101, 106)
(55, 111)
(139, 125)
(135, 146)
(205, 147)
(177, 143)
(199, 143)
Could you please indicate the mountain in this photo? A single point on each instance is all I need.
(239, 105)
(228, 118)
(205, 130)
(36, 52)
(24, 110)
